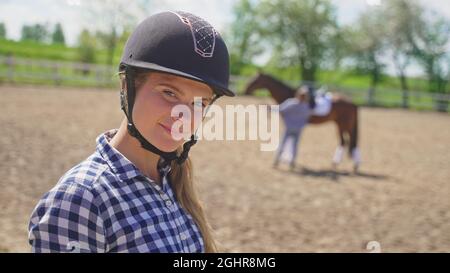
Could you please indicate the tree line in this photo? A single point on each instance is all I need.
(306, 34)
(303, 34)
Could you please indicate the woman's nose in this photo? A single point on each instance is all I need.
(175, 118)
(182, 116)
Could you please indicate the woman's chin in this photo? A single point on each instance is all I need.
(168, 149)
(166, 145)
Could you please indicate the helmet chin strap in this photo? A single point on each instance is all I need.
(127, 103)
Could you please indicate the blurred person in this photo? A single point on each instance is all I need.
(295, 113)
(135, 193)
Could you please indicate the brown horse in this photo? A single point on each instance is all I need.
(343, 112)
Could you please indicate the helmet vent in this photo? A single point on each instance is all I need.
(203, 34)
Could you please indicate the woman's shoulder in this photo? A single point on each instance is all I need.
(77, 187)
(289, 101)
(81, 180)
(73, 204)
(85, 173)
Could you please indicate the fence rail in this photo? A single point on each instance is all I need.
(395, 98)
(17, 70)
(22, 70)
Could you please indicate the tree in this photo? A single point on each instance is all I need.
(58, 35)
(113, 18)
(86, 48)
(2, 31)
(243, 39)
(429, 47)
(401, 17)
(109, 40)
(300, 31)
(429, 42)
(367, 43)
(37, 32)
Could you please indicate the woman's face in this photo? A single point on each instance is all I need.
(302, 94)
(153, 105)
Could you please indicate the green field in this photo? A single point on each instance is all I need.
(386, 95)
(34, 50)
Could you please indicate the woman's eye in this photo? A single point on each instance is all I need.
(169, 93)
(199, 104)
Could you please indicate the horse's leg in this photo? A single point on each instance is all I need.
(356, 156)
(337, 158)
(353, 149)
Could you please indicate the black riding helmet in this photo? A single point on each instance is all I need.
(181, 44)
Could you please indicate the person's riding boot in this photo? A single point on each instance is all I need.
(275, 164)
(292, 166)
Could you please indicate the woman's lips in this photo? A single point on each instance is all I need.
(167, 129)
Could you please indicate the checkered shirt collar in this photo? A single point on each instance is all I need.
(118, 162)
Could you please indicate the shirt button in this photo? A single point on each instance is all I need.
(168, 203)
(183, 236)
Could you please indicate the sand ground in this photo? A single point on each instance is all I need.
(400, 198)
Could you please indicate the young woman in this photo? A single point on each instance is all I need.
(295, 113)
(135, 192)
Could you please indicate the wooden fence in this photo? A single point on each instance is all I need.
(22, 70)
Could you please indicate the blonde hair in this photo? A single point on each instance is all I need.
(182, 182)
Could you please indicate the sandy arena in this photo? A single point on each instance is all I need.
(401, 198)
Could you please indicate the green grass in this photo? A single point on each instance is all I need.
(35, 50)
(69, 76)
(387, 93)
(66, 75)
(29, 49)
(339, 80)
(343, 78)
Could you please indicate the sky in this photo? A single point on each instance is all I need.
(70, 13)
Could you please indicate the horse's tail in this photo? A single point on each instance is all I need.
(354, 132)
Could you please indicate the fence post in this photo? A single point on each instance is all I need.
(405, 99)
(56, 76)
(98, 76)
(370, 93)
(10, 67)
(440, 102)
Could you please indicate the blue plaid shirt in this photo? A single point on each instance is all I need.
(105, 204)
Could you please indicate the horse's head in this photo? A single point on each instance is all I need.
(256, 83)
(278, 90)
